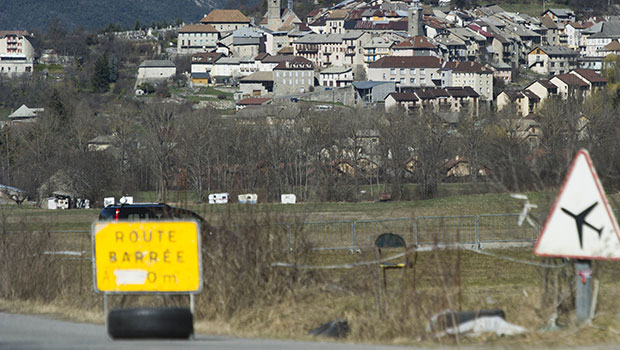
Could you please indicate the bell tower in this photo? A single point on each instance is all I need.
(416, 27)
(273, 14)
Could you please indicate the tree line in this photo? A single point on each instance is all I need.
(165, 144)
(161, 146)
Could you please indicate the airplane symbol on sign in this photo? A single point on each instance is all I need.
(580, 221)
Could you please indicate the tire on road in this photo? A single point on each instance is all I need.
(150, 323)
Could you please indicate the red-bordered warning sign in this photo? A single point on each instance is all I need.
(580, 225)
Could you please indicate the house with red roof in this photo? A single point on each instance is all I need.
(193, 38)
(293, 77)
(594, 80)
(17, 52)
(226, 20)
(416, 46)
(252, 102)
(444, 100)
(468, 73)
(406, 70)
(570, 85)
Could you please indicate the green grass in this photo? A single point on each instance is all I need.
(452, 200)
(51, 68)
(210, 90)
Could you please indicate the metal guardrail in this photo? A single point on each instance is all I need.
(346, 235)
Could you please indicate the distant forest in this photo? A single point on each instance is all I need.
(36, 15)
(97, 14)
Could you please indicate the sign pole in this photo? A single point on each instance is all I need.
(583, 298)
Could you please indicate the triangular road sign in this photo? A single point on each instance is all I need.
(581, 225)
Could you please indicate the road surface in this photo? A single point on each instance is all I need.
(27, 332)
(19, 332)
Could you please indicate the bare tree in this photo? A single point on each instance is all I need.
(396, 129)
(161, 137)
(431, 137)
(198, 138)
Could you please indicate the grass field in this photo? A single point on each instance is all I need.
(397, 315)
(452, 200)
(283, 302)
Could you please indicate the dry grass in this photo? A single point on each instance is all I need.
(456, 279)
(245, 295)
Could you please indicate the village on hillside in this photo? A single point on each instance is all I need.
(393, 52)
(383, 55)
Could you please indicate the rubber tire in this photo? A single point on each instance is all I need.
(151, 322)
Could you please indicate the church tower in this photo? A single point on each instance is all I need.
(273, 14)
(416, 27)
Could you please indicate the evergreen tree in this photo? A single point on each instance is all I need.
(101, 75)
(113, 70)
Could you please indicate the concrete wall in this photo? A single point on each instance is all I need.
(346, 96)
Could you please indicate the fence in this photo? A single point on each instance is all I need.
(345, 235)
(424, 230)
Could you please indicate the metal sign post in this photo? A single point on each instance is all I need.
(146, 257)
(581, 226)
(583, 298)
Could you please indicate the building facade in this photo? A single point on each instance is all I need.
(293, 77)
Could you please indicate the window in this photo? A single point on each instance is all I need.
(412, 80)
(402, 71)
(277, 74)
(422, 71)
(422, 81)
(412, 71)
(392, 71)
(290, 81)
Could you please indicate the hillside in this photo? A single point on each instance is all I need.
(96, 14)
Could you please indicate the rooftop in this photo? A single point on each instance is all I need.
(466, 67)
(590, 75)
(258, 76)
(255, 101)
(198, 28)
(225, 16)
(406, 62)
(157, 64)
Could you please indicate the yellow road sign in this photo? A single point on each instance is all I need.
(146, 256)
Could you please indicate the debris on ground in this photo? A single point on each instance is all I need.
(472, 323)
(333, 329)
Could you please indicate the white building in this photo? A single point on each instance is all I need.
(156, 71)
(473, 74)
(336, 76)
(16, 52)
(226, 20)
(195, 38)
(416, 71)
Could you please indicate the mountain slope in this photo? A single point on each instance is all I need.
(93, 14)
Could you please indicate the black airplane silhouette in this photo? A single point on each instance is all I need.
(580, 220)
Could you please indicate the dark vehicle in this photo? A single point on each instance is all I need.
(150, 211)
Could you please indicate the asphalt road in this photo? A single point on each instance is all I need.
(27, 332)
(36, 332)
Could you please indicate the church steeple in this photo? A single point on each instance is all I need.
(273, 14)
(416, 27)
